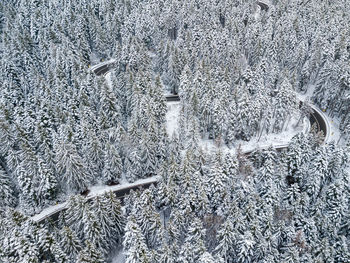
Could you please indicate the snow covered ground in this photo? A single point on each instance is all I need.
(119, 256)
(172, 117)
(281, 139)
(267, 140)
(108, 79)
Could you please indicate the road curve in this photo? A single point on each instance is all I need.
(322, 123)
(316, 117)
(263, 5)
(102, 68)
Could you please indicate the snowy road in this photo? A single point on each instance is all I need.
(119, 190)
(103, 68)
(317, 117)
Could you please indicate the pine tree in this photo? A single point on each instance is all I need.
(148, 157)
(149, 220)
(99, 208)
(7, 197)
(227, 241)
(113, 167)
(109, 109)
(133, 166)
(76, 209)
(167, 253)
(216, 186)
(136, 250)
(245, 248)
(27, 251)
(208, 258)
(71, 167)
(93, 231)
(7, 137)
(47, 187)
(93, 155)
(115, 214)
(90, 254)
(70, 243)
(27, 197)
(193, 246)
(173, 72)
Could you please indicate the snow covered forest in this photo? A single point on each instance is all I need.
(242, 70)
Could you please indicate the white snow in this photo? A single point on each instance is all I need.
(275, 140)
(308, 94)
(108, 79)
(102, 64)
(266, 2)
(119, 258)
(267, 140)
(172, 117)
(331, 129)
(101, 189)
(257, 13)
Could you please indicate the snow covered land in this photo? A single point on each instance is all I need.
(248, 161)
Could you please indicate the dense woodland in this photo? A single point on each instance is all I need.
(239, 71)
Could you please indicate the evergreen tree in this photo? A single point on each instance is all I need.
(93, 231)
(133, 166)
(47, 187)
(216, 186)
(113, 167)
(113, 206)
(27, 197)
(70, 243)
(227, 241)
(71, 167)
(193, 246)
(134, 243)
(90, 254)
(76, 209)
(7, 197)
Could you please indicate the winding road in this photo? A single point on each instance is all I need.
(316, 117)
(263, 5)
(102, 68)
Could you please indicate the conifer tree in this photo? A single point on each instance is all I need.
(216, 186)
(71, 167)
(90, 254)
(28, 197)
(193, 246)
(227, 241)
(133, 166)
(70, 243)
(7, 197)
(114, 208)
(134, 243)
(93, 231)
(113, 167)
(76, 209)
